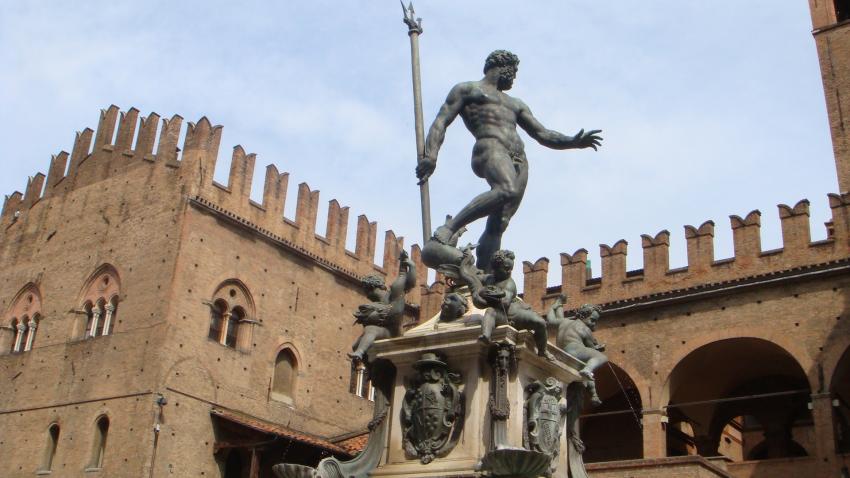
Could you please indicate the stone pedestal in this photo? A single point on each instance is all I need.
(476, 365)
(449, 405)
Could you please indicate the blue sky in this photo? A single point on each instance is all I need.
(707, 108)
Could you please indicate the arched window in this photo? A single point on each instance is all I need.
(50, 449)
(285, 374)
(100, 301)
(101, 431)
(23, 317)
(231, 315)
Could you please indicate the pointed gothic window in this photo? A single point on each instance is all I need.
(101, 431)
(101, 296)
(285, 374)
(50, 449)
(23, 319)
(231, 316)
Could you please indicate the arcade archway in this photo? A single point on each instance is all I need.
(612, 431)
(744, 398)
(840, 388)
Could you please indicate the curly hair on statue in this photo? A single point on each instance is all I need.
(500, 58)
(461, 300)
(500, 256)
(373, 280)
(585, 310)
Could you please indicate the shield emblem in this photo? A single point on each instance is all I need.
(432, 410)
(543, 414)
(549, 425)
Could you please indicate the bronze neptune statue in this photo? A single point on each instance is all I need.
(498, 155)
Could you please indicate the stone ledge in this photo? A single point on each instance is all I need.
(652, 465)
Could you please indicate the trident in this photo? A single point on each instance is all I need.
(414, 29)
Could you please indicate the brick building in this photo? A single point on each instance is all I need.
(157, 323)
(743, 357)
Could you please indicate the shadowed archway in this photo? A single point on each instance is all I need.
(745, 398)
(612, 431)
(840, 388)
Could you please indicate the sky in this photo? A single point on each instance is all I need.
(708, 109)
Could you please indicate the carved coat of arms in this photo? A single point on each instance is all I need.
(543, 417)
(432, 411)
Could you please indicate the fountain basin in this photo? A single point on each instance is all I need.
(515, 463)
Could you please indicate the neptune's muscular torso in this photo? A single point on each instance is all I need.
(491, 116)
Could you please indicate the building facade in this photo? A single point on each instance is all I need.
(156, 322)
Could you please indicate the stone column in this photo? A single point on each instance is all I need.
(824, 432)
(654, 434)
(19, 336)
(33, 325)
(225, 327)
(95, 318)
(107, 321)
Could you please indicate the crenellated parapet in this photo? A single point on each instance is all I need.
(125, 143)
(656, 277)
(614, 261)
(431, 298)
(656, 254)
(535, 277)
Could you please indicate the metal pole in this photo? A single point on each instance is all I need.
(414, 26)
(703, 402)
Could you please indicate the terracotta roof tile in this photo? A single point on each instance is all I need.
(279, 430)
(355, 444)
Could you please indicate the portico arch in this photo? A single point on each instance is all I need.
(620, 410)
(719, 384)
(840, 391)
